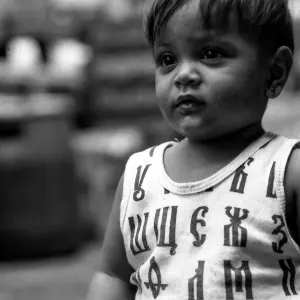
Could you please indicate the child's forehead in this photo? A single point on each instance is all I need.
(170, 35)
(187, 23)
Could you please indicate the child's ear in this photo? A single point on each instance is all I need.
(280, 68)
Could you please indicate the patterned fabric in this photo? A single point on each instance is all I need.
(224, 237)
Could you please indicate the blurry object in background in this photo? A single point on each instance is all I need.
(116, 47)
(31, 16)
(125, 86)
(24, 56)
(118, 10)
(295, 73)
(100, 156)
(18, 108)
(44, 20)
(282, 115)
(122, 104)
(66, 71)
(67, 61)
(70, 19)
(293, 84)
(7, 26)
(78, 4)
(40, 74)
(120, 86)
(39, 209)
(108, 36)
(9, 106)
(295, 8)
(22, 70)
(121, 78)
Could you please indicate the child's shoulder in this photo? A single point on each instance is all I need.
(149, 154)
(292, 192)
(282, 147)
(287, 151)
(292, 175)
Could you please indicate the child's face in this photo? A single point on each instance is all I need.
(208, 83)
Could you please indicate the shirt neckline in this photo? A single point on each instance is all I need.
(208, 182)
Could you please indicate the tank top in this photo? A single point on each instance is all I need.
(224, 237)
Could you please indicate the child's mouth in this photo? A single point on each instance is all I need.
(188, 104)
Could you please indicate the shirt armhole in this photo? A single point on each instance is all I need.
(127, 189)
(283, 156)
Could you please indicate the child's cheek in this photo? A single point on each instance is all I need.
(161, 87)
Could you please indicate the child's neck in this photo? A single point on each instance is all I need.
(195, 160)
(228, 145)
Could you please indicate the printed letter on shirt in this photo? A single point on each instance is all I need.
(166, 222)
(235, 228)
(288, 282)
(277, 247)
(196, 283)
(136, 278)
(154, 271)
(193, 228)
(239, 280)
(138, 239)
(271, 193)
(139, 192)
(240, 178)
(152, 151)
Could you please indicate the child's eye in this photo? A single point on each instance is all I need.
(167, 60)
(212, 54)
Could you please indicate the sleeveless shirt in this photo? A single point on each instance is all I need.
(221, 238)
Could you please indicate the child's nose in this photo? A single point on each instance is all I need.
(187, 75)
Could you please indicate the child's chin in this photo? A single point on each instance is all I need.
(195, 134)
(200, 134)
(191, 127)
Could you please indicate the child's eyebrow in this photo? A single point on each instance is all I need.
(164, 41)
(207, 36)
(159, 43)
(198, 39)
(192, 39)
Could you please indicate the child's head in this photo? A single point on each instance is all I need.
(218, 61)
(265, 22)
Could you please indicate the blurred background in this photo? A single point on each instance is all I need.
(76, 99)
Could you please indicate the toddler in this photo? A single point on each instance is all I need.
(216, 215)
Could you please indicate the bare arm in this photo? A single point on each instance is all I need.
(292, 191)
(111, 282)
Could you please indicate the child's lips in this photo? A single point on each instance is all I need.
(188, 104)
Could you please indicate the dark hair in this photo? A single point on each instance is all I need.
(267, 22)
